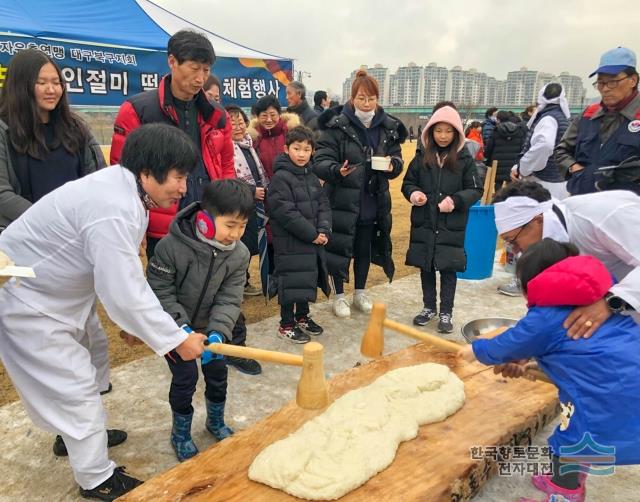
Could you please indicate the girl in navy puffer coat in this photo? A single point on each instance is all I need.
(597, 377)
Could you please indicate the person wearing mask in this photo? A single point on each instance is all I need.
(44, 145)
(608, 132)
(181, 101)
(359, 196)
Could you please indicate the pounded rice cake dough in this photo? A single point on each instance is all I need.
(358, 435)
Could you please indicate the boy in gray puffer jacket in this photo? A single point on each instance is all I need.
(198, 272)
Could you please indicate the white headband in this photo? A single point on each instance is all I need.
(518, 211)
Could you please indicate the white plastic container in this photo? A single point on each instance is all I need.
(380, 163)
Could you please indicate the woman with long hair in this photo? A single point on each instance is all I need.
(42, 143)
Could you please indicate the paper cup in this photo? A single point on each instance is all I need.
(380, 163)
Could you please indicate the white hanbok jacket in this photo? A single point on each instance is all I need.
(607, 225)
(82, 240)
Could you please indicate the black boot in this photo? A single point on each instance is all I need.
(246, 366)
(114, 438)
(181, 439)
(215, 420)
(116, 486)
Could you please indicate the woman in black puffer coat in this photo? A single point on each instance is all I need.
(359, 196)
(441, 184)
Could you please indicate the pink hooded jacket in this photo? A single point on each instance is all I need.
(451, 117)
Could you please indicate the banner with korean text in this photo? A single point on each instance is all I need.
(101, 75)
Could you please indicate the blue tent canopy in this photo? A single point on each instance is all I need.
(111, 22)
(111, 49)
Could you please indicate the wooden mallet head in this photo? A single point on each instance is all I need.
(373, 340)
(313, 392)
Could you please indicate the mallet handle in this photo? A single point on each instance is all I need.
(423, 337)
(269, 356)
(444, 344)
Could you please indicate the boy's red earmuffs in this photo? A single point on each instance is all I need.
(206, 224)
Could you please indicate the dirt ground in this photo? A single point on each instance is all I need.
(254, 308)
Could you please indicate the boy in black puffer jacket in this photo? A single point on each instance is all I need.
(300, 218)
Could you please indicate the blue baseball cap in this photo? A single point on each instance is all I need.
(616, 60)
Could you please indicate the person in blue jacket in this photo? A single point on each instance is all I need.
(597, 378)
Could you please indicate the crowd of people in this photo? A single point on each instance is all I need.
(199, 188)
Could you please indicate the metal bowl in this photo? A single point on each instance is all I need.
(473, 329)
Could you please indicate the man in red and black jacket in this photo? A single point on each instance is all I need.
(180, 101)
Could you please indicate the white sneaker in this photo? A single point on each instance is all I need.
(341, 307)
(362, 303)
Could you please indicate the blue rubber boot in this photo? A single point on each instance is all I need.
(181, 440)
(215, 421)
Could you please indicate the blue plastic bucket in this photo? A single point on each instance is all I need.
(480, 243)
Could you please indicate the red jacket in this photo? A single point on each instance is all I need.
(577, 280)
(474, 135)
(157, 106)
(270, 144)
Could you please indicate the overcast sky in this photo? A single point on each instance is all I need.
(331, 38)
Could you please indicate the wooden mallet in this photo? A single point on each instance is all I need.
(372, 344)
(313, 392)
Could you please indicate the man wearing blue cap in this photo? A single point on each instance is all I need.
(608, 132)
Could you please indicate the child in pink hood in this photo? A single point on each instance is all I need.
(597, 377)
(442, 185)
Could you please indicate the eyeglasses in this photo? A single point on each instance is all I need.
(365, 99)
(513, 241)
(609, 84)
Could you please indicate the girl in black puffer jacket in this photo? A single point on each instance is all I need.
(301, 226)
(359, 196)
(441, 184)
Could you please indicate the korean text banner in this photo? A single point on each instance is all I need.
(106, 76)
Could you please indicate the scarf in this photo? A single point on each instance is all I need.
(243, 171)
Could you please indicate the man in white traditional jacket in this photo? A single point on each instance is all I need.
(603, 224)
(82, 241)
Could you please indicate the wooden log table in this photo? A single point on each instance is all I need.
(435, 466)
